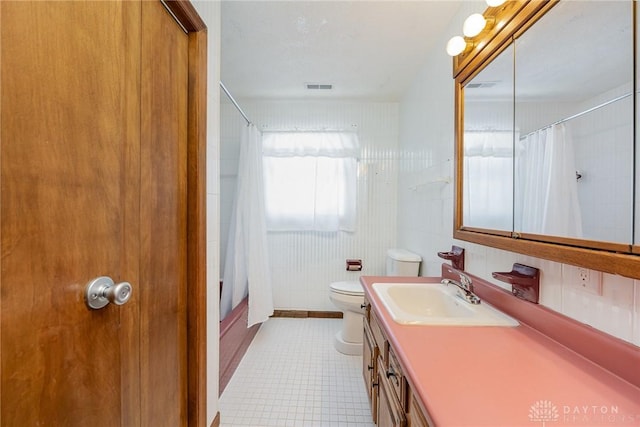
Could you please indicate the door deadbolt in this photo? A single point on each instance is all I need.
(102, 290)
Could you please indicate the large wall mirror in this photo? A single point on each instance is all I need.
(545, 136)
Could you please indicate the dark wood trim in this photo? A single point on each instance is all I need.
(188, 17)
(303, 314)
(196, 231)
(325, 314)
(609, 262)
(564, 241)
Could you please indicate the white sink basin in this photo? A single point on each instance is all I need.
(436, 304)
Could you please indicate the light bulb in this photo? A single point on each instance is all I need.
(473, 25)
(494, 3)
(456, 45)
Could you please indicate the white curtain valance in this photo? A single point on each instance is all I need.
(488, 144)
(316, 144)
(310, 181)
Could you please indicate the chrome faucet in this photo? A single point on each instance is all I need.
(465, 288)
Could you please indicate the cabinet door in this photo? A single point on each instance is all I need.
(395, 376)
(388, 412)
(416, 417)
(369, 356)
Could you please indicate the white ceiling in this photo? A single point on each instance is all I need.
(368, 50)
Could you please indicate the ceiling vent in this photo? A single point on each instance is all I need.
(318, 86)
(480, 85)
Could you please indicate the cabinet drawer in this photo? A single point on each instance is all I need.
(378, 335)
(396, 379)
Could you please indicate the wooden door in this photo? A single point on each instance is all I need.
(93, 152)
(163, 213)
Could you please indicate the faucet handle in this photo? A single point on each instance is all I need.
(465, 281)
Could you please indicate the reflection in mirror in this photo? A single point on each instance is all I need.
(574, 123)
(488, 146)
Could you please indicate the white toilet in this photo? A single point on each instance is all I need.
(349, 298)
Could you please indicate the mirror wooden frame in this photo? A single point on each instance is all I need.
(512, 19)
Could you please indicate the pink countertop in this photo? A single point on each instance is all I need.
(504, 376)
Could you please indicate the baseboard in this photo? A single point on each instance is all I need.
(235, 339)
(300, 314)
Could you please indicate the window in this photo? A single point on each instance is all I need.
(310, 180)
(488, 179)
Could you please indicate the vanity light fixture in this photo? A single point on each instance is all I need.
(474, 25)
(456, 45)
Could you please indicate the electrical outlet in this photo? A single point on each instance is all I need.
(588, 280)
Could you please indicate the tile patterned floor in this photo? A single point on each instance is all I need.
(292, 376)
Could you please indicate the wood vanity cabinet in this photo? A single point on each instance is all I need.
(392, 403)
(369, 371)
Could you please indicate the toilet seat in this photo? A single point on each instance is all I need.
(347, 288)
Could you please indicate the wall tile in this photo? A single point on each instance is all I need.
(213, 229)
(213, 167)
(498, 260)
(550, 281)
(212, 267)
(475, 258)
(305, 263)
(618, 290)
(611, 312)
(579, 305)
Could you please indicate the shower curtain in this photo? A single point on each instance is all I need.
(547, 190)
(246, 269)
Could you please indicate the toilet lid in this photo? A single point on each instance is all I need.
(347, 288)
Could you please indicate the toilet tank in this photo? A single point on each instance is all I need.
(401, 262)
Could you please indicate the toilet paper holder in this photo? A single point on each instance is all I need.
(354, 265)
